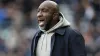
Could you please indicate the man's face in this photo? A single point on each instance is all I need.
(45, 16)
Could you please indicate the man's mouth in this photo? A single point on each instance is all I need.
(41, 23)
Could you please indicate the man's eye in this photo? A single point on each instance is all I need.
(44, 10)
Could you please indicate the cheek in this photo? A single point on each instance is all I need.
(48, 16)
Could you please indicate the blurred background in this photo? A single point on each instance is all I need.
(18, 24)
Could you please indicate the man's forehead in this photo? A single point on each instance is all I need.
(43, 6)
(48, 4)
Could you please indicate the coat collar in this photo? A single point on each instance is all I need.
(38, 33)
(61, 30)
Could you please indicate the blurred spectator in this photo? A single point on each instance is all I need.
(4, 19)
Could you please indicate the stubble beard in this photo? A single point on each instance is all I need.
(46, 26)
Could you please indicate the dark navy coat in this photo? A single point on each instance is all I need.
(65, 42)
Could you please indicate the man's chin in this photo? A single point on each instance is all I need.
(42, 28)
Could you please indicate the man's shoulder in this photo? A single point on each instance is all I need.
(71, 31)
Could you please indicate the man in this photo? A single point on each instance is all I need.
(55, 37)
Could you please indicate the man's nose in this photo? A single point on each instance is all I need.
(39, 14)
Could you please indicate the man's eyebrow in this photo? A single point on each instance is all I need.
(42, 9)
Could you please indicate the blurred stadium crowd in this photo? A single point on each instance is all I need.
(18, 24)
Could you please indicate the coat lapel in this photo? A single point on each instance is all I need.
(35, 41)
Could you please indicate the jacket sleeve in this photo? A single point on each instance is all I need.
(76, 44)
